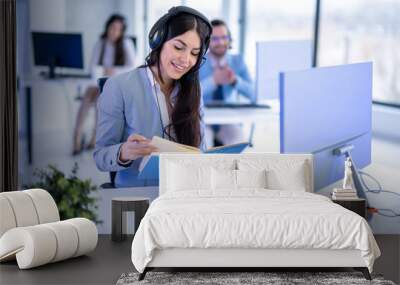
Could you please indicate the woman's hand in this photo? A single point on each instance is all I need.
(135, 146)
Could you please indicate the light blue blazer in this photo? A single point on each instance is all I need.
(126, 106)
(244, 83)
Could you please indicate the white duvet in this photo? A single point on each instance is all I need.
(250, 219)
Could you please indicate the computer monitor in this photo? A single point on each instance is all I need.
(57, 50)
(274, 57)
(327, 112)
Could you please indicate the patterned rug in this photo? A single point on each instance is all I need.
(243, 278)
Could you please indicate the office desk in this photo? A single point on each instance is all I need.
(246, 115)
(223, 116)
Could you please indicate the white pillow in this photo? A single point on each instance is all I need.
(293, 178)
(183, 177)
(251, 178)
(223, 179)
(281, 174)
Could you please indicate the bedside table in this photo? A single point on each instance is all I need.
(358, 206)
(119, 205)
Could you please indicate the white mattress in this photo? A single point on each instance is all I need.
(251, 219)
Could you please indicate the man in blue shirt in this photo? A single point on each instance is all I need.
(221, 77)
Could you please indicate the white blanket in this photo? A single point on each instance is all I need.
(250, 219)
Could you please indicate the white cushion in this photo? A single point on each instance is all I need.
(251, 178)
(7, 218)
(40, 244)
(182, 177)
(67, 240)
(282, 174)
(34, 244)
(175, 170)
(231, 180)
(23, 208)
(223, 179)
(45, 205)
(26, 208)
(87, 233)
(293, 178)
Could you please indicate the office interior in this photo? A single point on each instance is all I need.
(337, 33)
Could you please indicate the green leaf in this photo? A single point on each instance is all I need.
(73, 196)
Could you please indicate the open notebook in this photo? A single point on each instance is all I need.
(148, 168)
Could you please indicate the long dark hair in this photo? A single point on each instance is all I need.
(119, 55)
(185, 117)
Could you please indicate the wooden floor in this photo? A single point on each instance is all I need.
(111, 259)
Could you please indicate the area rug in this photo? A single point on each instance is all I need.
(243, 278)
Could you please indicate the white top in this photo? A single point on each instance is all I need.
(160, 98)
(108, 57)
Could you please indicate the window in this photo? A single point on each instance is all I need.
(158, 8)
(364, 30)
(276, 20)
(211, 9)
(224, 10)
(221, 9)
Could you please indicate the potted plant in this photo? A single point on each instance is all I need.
(71, 194)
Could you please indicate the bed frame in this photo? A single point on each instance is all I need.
(240, 259)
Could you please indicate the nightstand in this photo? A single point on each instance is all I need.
(357, 206)
(119, 205)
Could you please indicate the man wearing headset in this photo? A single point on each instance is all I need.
(221, 76)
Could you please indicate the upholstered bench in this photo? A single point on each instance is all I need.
(31, 231)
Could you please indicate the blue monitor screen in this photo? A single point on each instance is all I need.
(323, 109)
(59, 49)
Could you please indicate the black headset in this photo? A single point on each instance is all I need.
(158, 32)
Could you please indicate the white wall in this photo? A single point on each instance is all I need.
(81, 16)
(87, 17)
(48, 15)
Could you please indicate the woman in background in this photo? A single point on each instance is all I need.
(112, 54)
(161, 98)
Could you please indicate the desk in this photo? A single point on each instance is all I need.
(249, 116)
(223, 116)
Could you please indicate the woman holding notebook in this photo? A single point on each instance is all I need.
(161, 98)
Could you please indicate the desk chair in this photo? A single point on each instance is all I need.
(100, 82)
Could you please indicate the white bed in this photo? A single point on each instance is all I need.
(220, 211)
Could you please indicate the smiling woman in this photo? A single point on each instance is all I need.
(161, 98)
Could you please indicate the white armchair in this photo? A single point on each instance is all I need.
(31, 230)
